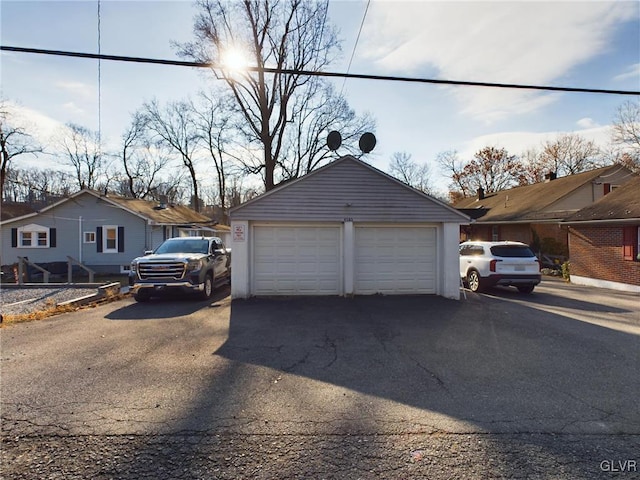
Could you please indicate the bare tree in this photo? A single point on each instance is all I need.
(570, 154)
(453, 166)
(413, 174)
(214, 126)
(626, 126)
(14, 141)
(83, 152)
(626, 135)
(36, 186)
(142, 162)
(314, 114)
(175, 128)
(533, 169)
(289, 34)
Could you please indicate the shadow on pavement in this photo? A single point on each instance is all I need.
(330, 370)
(173, 305)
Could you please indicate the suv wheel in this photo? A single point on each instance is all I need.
(208, 288)
(142, 295)
(526, 289)
(473, 279)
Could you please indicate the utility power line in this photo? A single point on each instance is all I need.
(287, 71)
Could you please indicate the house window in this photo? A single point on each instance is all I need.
(495, 233)
(25, 239)
(89, 237)
(34, 236)
(110, 239)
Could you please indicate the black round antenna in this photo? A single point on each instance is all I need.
(367, 142)
(334, 140)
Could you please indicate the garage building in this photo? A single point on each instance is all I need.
(346, 228)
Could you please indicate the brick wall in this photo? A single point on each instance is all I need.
(558, 234)
(513, 232)
(596, 252)
(516, 232)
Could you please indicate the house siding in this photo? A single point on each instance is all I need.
(358, 194)
(597, 253)
(85, 213)
(592, 191)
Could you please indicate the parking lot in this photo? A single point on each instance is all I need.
(497, 385)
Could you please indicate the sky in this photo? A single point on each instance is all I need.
(588, 44)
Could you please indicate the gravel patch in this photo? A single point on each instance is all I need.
(22, 301)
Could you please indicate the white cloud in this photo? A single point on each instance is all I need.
(517, 143)
(40, 126)
(78, 89)
(632, 72)
(586, 123)
(505, 42)
(73, 109)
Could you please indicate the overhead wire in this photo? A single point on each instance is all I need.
(99, 83)
(287, 71)
(355, 45)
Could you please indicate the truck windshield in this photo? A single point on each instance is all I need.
(184, 246)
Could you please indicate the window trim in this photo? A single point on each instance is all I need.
(33, 230)
(495, 233)
(105, 229)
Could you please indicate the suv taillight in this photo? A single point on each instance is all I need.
(492, 265)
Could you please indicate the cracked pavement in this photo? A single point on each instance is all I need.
(500, 385)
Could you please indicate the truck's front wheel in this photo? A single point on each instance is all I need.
(142, 295)
(208, 287)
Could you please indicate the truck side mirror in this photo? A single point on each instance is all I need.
(148, 252)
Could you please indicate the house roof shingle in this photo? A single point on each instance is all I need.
(623, 203)
(171, 215)
(529, 202)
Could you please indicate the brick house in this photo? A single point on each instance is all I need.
(533, 214)
(604, 240)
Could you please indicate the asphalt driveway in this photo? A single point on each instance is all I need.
(377, 386)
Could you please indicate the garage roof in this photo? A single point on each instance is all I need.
(347, 189)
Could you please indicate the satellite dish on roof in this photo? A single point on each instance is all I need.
(367, 142)
(334, 140)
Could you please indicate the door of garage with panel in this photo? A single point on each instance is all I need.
(300, 260)
(395, 260)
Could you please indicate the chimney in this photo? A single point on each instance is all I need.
(550, 176)
(480, 193)
(163, 202)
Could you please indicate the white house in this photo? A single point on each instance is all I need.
(347, 228)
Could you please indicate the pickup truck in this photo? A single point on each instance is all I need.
(182, 264)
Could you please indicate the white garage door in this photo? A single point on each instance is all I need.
(395, 260)
(297, 260)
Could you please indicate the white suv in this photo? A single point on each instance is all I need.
(485, 264)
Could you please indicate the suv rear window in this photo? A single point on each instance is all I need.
(511, 251)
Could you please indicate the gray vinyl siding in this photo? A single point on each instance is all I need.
(346, 189)
(71, 219)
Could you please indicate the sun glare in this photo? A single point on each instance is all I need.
(234, 60)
